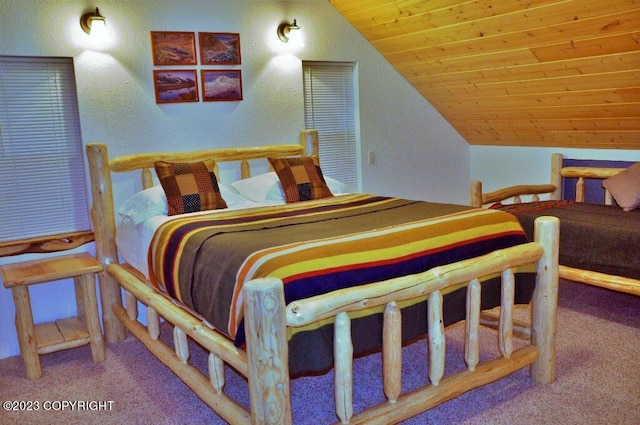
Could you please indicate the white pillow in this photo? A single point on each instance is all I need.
(267, 188)
(231, 196)
(153, 201)
(335, 186)
(144, 205)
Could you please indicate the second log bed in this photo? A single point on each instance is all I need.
(599, 241)
(270, 321)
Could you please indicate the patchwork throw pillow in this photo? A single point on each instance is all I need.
(189, 187)
(301, 179)
(625, 187)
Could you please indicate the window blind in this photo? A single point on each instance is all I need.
(42, 182)
(330, 108)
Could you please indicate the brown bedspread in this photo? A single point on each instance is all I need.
(599, 238)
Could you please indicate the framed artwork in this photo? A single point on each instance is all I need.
(176, 85)
(171, 48)
(221, 85)
(219, 48)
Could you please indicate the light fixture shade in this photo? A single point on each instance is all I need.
(290, 33)
(93, 22)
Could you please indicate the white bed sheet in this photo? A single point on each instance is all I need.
(133, 239)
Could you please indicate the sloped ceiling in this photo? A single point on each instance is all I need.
(554, 73)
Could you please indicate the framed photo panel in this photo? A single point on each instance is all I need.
(221, 85)
(219, 48)
(176, 85)
(171, 48)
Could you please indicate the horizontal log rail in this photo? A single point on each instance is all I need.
(147, 160)
(309, 310)
(615, 283)
(224, 405)
(590, 172)
(196, 329)
(517, 192)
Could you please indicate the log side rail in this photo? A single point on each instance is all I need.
(209, 387)
(268, 370)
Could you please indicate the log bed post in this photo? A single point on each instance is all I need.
(104, 228)
(310, 143)
(267, 350)
(545, 300)
(556, 176)
(475, 196)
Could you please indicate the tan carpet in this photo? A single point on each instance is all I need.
(598, 379)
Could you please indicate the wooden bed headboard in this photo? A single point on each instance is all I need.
(600, 169)
(145, 161)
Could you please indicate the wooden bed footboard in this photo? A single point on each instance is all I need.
(268, 318)
(559, 172)
(265, 363)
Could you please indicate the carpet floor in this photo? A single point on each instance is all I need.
(597, 379)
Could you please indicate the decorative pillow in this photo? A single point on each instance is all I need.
(625, 187)
(189, 187)
(301, 179)
(267, 188)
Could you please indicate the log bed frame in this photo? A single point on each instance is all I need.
(554, 189)
(265, 363)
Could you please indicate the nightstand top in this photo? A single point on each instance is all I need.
(48, 269)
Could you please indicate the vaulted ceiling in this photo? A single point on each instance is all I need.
(556, 73)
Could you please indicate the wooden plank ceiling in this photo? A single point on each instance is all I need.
(556, 73)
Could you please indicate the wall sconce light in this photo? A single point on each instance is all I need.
(94, 24)
(285, 32)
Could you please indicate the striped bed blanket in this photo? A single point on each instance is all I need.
(315, 247)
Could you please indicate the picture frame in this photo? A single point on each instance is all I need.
(219, 48)
(170, 48)
(176, 85)
(221, 85)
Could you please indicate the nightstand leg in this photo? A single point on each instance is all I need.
(91, 318)
(26, 332)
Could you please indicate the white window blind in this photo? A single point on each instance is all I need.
(330, 108)
(42, 182)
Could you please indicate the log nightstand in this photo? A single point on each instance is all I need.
(63, 333)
